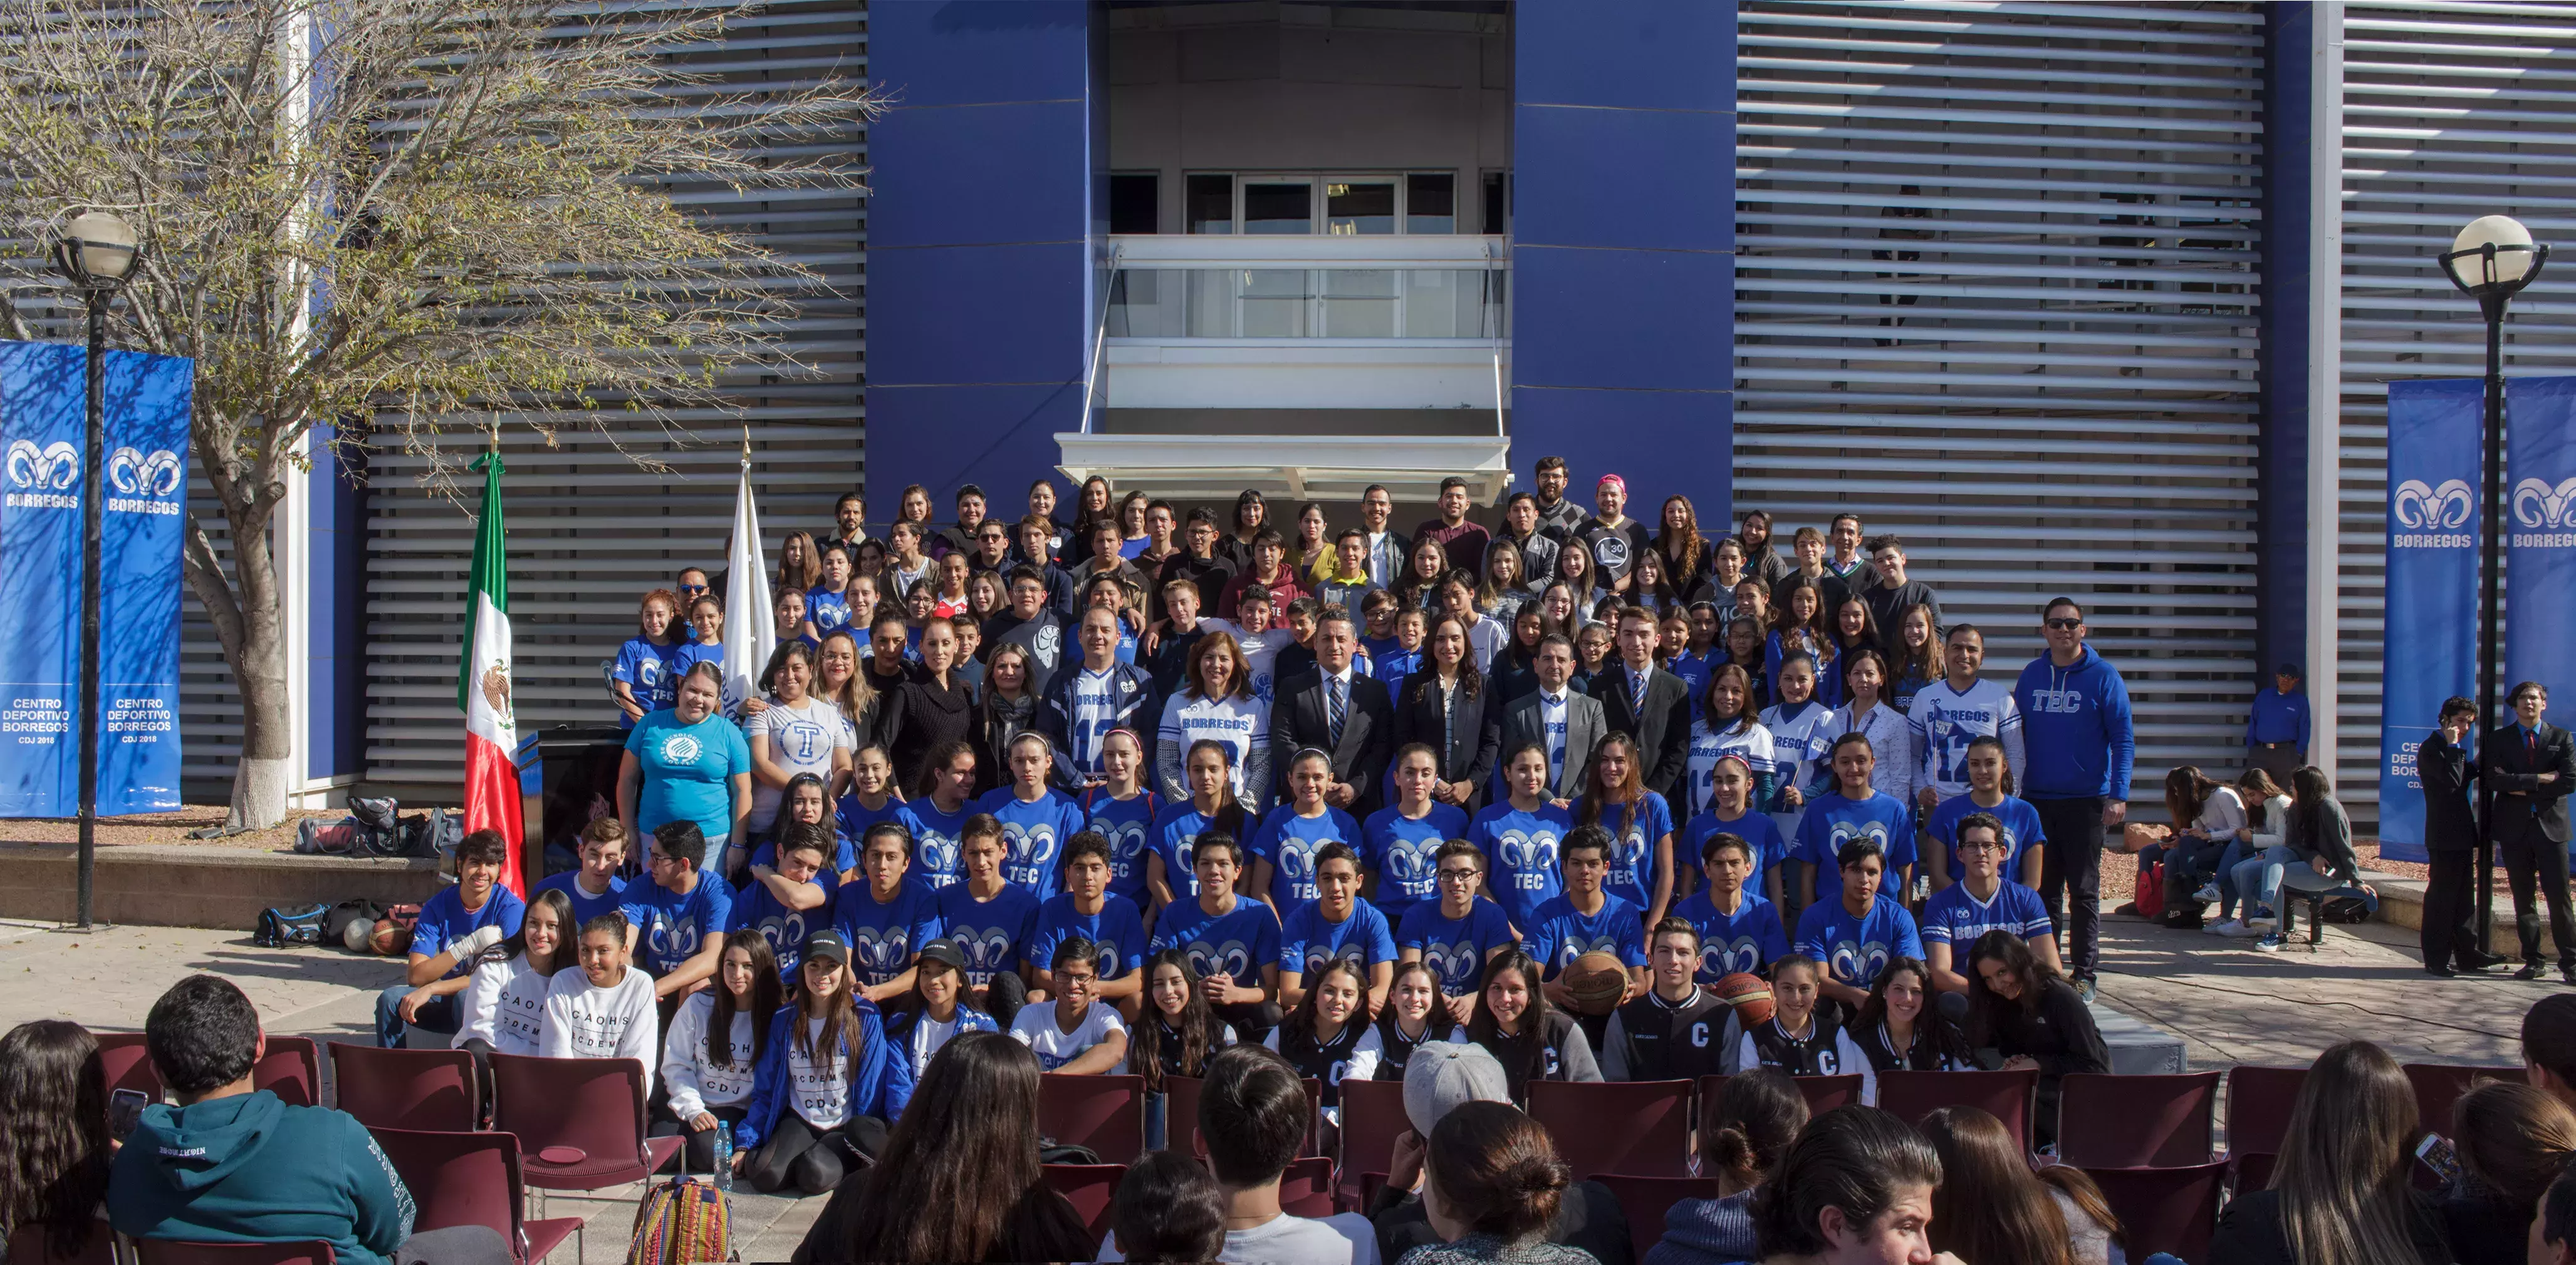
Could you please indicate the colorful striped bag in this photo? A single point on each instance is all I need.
(683, 1221)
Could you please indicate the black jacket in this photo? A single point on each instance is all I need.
(1298, 719)
(2249, 1232)
(2061, 1037)
(2444, 768)
(1466, 750)
(1662, 731)
(919, 717)
(1210, 575)
(2512, 770)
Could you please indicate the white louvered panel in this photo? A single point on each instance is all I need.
(2451, 111)
(2072, 363)
(590, 531)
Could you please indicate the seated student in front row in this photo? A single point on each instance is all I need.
(1088, 910)
(1336, 926)
(1982, 900)
(598, 886)
(1074, 1034)
(1232, 943)
(1792, 1039)
(714, 1048)
(935, 1010)
(1530, 1038)
(1457, 934)
(1413, 1016)
(2027, 1012)
(1327, 1037)
(1738, 931)
(504, 1008)
(782, 903)
(885, 920)
(829, 1086)
(2024, 839)
(1855, 936)
(1676, 1030)
(605, 1009)
(1587, 919)
(455, 927)
(990, 919)
(681, 915)
(1896, 1031)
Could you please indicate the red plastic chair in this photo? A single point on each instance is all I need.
(291, 1069)
(175, 1252)
(1092, 1189)
(1647, 1199)
(580, 1123)
(2108, 1121)
(2259, 1100)
(428, 1090)
(127, 1065)
(1105, 1113)
(2007, 1096)
(1372, 1117)
(1306, 1189)
(1314, 1120)
(471, 1179)
(1824, 1093)
(27, 1247)
(1370, 1185)
(2164, 1209)
(1639, 1128)
(1181, 1116)
(2253, 1171)
(2438, 1085)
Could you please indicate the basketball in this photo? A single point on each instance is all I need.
(390, 938)
(1597, 981)
(1750, 996)
(358, 936)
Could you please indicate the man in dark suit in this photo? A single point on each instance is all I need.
(2531, 765)
(1556, 716)
(1650, 706)
(2449, 936)
(1335, 707)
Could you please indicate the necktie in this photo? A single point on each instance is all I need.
(1637, 694)
(1337, 707)
(2531, 741)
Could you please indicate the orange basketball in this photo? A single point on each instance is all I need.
(1750, 996)
(1598, 981)
(390, 938)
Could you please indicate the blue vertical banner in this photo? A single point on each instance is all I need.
(2540, 540)
(43, 407)
(2430, 651)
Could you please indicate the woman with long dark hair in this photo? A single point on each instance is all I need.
(1683, 552)
(1898, 1030)
(838, 681)
(1443, 706)
(1761, 561)
(1744, 1129)
(1531, 1039)
(1800, 624)
(1174, 1035)
(800, 564)
(504, 1007)
(1640, 823)
(1503, 589)
(1412, 1015)
(2024, 1009)
(959, 1177)
(2514, 1140)
(2320, 838)
(937, 1011)
(1856, 1188)
(829, 1085)
(1328, 1037)
(714, 1046)
(2340, 1194)
(1729, 724)
(1916, 657)
(1215, 703)
(1990, 1208)
(54, 1154)
(1424, 569)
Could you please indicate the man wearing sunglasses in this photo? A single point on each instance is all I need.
(2079, 743)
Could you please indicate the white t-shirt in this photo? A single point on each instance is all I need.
(617, 1022)
(1036, 1028)
(695, 1083)
(505, 1004)
(1261, 650)
(1341, 1239)
(821, 1094)
(801, 740)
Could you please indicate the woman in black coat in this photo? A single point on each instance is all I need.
(1443, 707)
(929, 711)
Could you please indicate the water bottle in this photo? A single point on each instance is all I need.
(724, 1157)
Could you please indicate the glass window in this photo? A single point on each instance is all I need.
(1273, 302)
(1498, 202)
(1274, 207)
(1210, 204)
(1135, 203)
(1359, 207)
(1359, 303)
(1431, 203)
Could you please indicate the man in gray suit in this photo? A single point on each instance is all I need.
(1557, 717)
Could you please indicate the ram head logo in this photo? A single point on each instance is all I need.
(134, 473)
(2425, 508)
(48, 469)
(2536, 504)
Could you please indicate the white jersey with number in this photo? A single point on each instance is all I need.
(1945, 721)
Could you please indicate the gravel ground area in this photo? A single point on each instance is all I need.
(160, 828)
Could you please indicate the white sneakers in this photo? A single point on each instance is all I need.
(2236, 928)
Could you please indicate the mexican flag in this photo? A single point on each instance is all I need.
(483, 685)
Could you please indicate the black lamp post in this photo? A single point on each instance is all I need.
(2491, 261)
(96, 251)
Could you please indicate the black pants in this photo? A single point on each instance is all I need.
(2450, 909)
(813, 1160)
(2532, 858)
(1251, 1020)
(698, 1149)
(1004, 997)
(2073, 864)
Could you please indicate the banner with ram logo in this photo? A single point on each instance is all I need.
(2540, 541)
(2430, 651)
(43, 413)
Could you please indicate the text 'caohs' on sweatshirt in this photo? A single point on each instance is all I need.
(616, 1022)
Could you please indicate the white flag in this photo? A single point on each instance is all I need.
(750, 632)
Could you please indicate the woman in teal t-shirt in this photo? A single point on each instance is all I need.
(689, 763)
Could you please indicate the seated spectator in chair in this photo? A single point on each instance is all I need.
(1744, 1128)
(1982, 900)
(53, 1173)
(1168, 1209)
(231, 1164)
(714, 1048)
(2024, 1010)
(681, 915)
(2553, 1228)
(445, 942)
(599, 885)
(829, 1086)
(604, 1010)
(1075, 1034)
(1328, 1039)
(1800, 1038)
(1441, 1077)
(1492, 1182)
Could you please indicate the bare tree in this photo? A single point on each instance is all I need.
(423, 214)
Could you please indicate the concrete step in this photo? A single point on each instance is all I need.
(2401, 904)
(2138, 1048)
(158, 885)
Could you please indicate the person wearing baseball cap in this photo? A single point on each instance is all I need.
(936, 1010)
(1616, 540)
(829, 1085)
(1439, 1077)
(2276, 728)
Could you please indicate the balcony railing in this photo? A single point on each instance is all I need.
(1207, 287)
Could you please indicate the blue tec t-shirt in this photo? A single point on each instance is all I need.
(826, 609)
(1750, 939)
(443, 919)
(854, 819)
(1565, 933)
(884, 936)
(1174, 837)
(1955, 918)
(584, 907)
(1634, 829)
(1520, 857)
(675, 925)
(1237, 943)
(646, 670)
(1288, 842)
(844, 857)
(1394, 665)
(2020, 822)
(1855, 950)
(1033, 836)
(1833, 820)
(1129, 826)
(756, 909)
(688, 771)
(1757, 829)
(1400, 850)
(934, 841)
(1118, 929)
(1309, 941)
(689, 654)
(993, 933)
(1455, 948)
